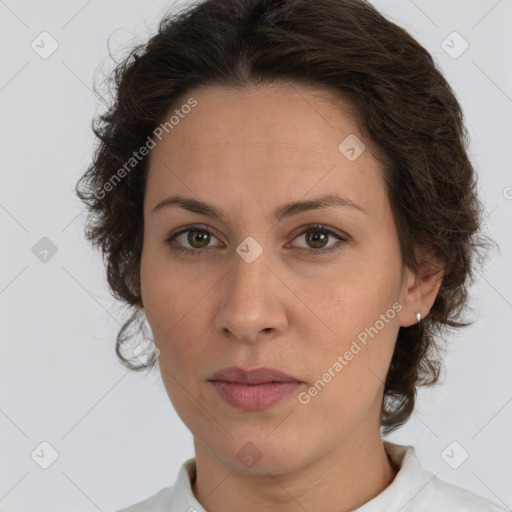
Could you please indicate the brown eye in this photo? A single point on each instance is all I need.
(201, 238)
(317, 237)
(195, 240)
(190, 240)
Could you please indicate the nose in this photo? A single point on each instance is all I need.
(253, 301)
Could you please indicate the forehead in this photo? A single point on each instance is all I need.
(278, 140)
(268, 114)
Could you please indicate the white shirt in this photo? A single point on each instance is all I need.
(412, 490)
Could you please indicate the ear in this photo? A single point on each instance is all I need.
(419, 291)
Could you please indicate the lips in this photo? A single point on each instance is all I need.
(253, 390)
(262, 375)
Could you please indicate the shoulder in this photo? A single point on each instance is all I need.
(158, 502)
(417, 490)
(175, 497)
(451, 498)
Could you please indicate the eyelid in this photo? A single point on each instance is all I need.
(340, 236)
(333, 233)
(191, 227)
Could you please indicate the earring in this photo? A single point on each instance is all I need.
(418, 316)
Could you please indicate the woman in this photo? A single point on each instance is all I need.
(282, 190)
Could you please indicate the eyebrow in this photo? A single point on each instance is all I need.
(286, 210)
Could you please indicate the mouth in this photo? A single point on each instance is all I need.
(261, 375)
(253, 389)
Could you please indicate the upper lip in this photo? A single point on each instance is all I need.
(257, 376)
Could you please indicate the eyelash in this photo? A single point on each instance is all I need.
(199, 228)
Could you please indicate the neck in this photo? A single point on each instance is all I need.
(345, 478)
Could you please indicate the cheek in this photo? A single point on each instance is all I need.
(348, 378)
(351, 304)
(361, 315)
(175, 311)
(168, 295)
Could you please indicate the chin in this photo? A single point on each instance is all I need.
(262, 454)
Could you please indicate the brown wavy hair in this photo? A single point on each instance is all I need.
(405, 108)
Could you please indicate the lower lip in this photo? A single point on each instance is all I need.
(256, 396)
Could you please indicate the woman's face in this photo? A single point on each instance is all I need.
(255, 290)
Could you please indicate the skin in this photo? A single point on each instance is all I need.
(248, 151)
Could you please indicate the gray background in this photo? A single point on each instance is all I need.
(117, 437)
